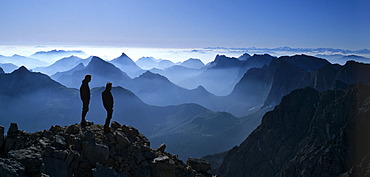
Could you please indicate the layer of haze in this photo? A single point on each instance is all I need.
(187, 24)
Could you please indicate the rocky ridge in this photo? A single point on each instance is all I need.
(89, 152)
(308, 134)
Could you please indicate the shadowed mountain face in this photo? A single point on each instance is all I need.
(308, 134)
(36, 101)
(267, 85)
(2, 71)
(128, 66)
(62, 65)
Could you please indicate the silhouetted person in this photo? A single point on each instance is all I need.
(108, 105)
(85, 97)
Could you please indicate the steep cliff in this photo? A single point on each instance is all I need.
(308, 134)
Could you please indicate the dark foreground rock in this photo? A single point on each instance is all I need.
(308, 134)
(88, 152)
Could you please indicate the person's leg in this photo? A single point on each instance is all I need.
(107, 120)
(85, 109)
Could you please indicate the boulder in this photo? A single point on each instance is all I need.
(13, 129)
(163, 167)
(30, 158)
(95, 152)
(199, 165)
(72, 129)
(161, 148)
(10, 168)
(59, 142)
(115, 125)
(121, 139)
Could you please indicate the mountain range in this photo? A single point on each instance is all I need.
(191, 121)
(44, 102)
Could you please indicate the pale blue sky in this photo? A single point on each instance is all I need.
(187, 23)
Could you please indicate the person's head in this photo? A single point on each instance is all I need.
(87, 77)
(108, 86)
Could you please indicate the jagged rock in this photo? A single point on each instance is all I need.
(71, 151)
(199, 165)
(16, 140)
(115, 125)
(121, 139)
(59, 142)
(30, 158)
(308, 134)
(163, 167)
(13, 129)
(161, 148)
(95, 152)
(72, 129)
(10, 168)
(1, 136)
(55, 129)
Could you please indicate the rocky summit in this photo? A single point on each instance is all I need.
(89, 152)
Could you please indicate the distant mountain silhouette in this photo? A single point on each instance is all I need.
(101, 71)
(8, 67)
(148, 63)
(342, 59)
(127, 65)
(22, 61)
(62, 65)
(54, 55)
(308, 134)
(193, 63)
(244, 57)
(178, 74)
(156, 89)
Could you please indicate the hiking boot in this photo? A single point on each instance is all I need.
(83, 123)
(107, 129)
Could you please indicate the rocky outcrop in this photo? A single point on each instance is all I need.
(88, 152)
(308, 134)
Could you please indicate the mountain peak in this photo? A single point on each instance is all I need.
(150, 75)
(123, 55)
(22, 69)
(193, 63)
(244, 57)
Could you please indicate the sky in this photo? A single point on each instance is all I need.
(341, 24)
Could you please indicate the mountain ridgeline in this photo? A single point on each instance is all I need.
(198, 109)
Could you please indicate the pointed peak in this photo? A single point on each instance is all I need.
(21, 69)
(96, 59)
(123, 55)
